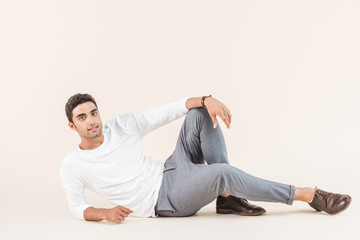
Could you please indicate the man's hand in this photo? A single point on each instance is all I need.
(217, 108)
(214, 107)
(116, 214)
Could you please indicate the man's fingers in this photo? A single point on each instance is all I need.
(225, 119)
(214, 120)
(129, 211)
(228, 114)
(223, 112)
(124, 214)
(124, 209)
(116, 220)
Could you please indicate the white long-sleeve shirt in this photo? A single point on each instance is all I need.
(118, 170)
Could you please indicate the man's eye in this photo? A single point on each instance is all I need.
(94, 113)
(81, 118)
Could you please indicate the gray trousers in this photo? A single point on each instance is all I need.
(189, 184)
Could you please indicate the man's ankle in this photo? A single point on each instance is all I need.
(311, 195)
(304, 194)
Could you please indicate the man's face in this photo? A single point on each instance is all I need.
(87, 120)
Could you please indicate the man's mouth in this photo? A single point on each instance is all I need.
(93, 129)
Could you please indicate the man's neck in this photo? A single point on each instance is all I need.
(91, 143)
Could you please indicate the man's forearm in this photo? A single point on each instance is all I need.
(94, 214)
(194, 102)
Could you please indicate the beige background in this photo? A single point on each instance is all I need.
(287, 70)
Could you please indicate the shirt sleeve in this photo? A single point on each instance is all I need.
(143, 122)
(151, 119)
(74, 190)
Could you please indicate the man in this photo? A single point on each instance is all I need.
(110, 162)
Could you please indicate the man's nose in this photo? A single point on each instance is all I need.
(90, 120)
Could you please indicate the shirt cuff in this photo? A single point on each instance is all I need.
(80, 211)
(183, 105)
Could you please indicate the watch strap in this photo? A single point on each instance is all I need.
(203, 100)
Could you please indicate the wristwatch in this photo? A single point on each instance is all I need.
(203, 99)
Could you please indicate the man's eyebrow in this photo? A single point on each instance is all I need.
(83, 114)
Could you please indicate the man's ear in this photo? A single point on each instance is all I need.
(72, 126)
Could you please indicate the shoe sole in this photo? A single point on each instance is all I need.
(229, 211)
(343, 208)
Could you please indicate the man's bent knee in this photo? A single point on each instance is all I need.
(195, 111)
(198, 113)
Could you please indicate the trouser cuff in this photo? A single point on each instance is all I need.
(292, 195)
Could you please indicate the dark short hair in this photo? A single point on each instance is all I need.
(76, 100)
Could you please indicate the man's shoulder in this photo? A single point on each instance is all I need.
(69, 169)
(71, 154)
(125, 122)
(69, 159)
(121, 118)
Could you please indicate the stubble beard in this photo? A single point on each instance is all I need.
(95, 134)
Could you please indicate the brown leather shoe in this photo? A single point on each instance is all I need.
(331, 203)
(240, 206)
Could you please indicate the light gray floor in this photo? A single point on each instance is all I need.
(37, 218)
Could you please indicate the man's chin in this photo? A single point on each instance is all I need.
(94, 134)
